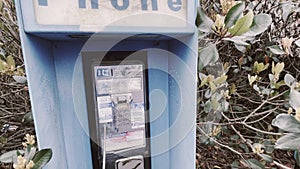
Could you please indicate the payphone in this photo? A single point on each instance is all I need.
(116, 87)
(112, 82)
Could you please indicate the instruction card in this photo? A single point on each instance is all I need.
(121, 106)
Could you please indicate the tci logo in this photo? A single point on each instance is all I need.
(121, 5)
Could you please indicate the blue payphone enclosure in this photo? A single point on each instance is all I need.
(52, 46)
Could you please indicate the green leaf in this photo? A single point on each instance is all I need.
(41, 158)
(10, 156)
(20, 79)
(287, 123)
(1, 5)
(289, 80)
(202, 76)
(220, 80)
(290, 141)
(207, 107)
(240, 48)
(208, 94)
(2, 52)
(28, 117)
(3, 141)
(234, 165)
(297, 157)
(294, 99)
(208, 55)
(20, 152)
(286, 9)
(2, 65)
(203, 139)
(278, 85)
(269, 146)
(203, 81)
(244, 147)
(242, 25)
(278, 68)
(205, 23)
(234, 14)
(276, 50)
(237, 108)
(212, 86)
(29, 154)
(297, 42)
(252, 79)
(259, 67)
(225, 106)
(11, 62)
(234, 137)
(266, 157)
(215, 104)
(238, 40)
(256, 88)
(297, 10)
(254, 164)
(261, 22)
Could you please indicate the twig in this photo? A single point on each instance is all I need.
(246, 98)
(261, 131)
(281, 165)
(218, 124)
(253, 128)
(16, 91)
(262, 104)
(256, 121)
(14, 146)
(254, 111)
(8, 116)
(258, 114)
(275, 104)
(220, 144)
(8, 112)
(250, 145)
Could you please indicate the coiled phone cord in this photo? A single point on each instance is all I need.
(104, 147)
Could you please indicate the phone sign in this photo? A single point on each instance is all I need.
(106, 12)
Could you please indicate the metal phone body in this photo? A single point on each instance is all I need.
(117, 101)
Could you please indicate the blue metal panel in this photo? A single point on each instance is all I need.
(78, 154)
(43, 93)
(183, 68)
(159, 108)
